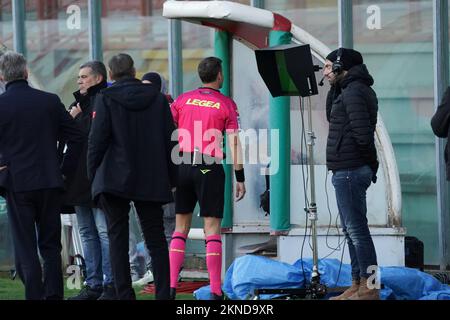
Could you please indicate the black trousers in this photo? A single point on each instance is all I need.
(151, 219)
(35, 222)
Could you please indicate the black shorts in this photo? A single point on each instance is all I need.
(204, 183)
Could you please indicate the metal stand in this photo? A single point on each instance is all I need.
(315, 290)
(312, 208)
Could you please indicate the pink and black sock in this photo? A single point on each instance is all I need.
(176, 256)
(214, 262)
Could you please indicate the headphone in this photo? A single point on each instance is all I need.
(338, 66)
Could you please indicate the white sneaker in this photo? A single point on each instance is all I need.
(134, 275)
(146, 279)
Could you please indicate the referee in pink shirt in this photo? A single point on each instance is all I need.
(203, 116)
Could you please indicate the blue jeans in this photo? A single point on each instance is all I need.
(351, 186)
(94, 237)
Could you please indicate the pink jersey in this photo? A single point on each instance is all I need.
(203, 116)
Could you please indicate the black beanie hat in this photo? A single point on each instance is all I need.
(154, 78)
(349, 57)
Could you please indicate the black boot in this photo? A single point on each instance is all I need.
(88, 293)
(214, 296)
(109, 293)
(173, 293)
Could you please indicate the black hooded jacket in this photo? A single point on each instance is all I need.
(440, 123)
(129, 148)
(352, 108)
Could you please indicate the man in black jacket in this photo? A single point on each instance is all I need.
(31, 123)
(352, 108)
(129, 159)
(91, 220)
(440, 123)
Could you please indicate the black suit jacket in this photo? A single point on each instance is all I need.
(31, 124)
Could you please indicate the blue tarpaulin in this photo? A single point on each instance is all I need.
(251, 272)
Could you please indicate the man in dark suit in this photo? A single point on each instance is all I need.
(129, 159)
(31, 123)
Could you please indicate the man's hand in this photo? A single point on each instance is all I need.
(75, 110)
(3, 168)
(240, 190)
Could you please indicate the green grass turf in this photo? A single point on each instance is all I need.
(14, 290)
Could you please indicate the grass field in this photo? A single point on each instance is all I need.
(14, 290)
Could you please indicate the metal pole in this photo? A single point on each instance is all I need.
(345, 8)
(95, 30)
(175, 58)
(19, 34)
(441, 81)
(312, 209)
(258, 3)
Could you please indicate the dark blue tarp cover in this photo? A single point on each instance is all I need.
(250, 272)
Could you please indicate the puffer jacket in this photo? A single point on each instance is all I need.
(352, 108)
(440, 123)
